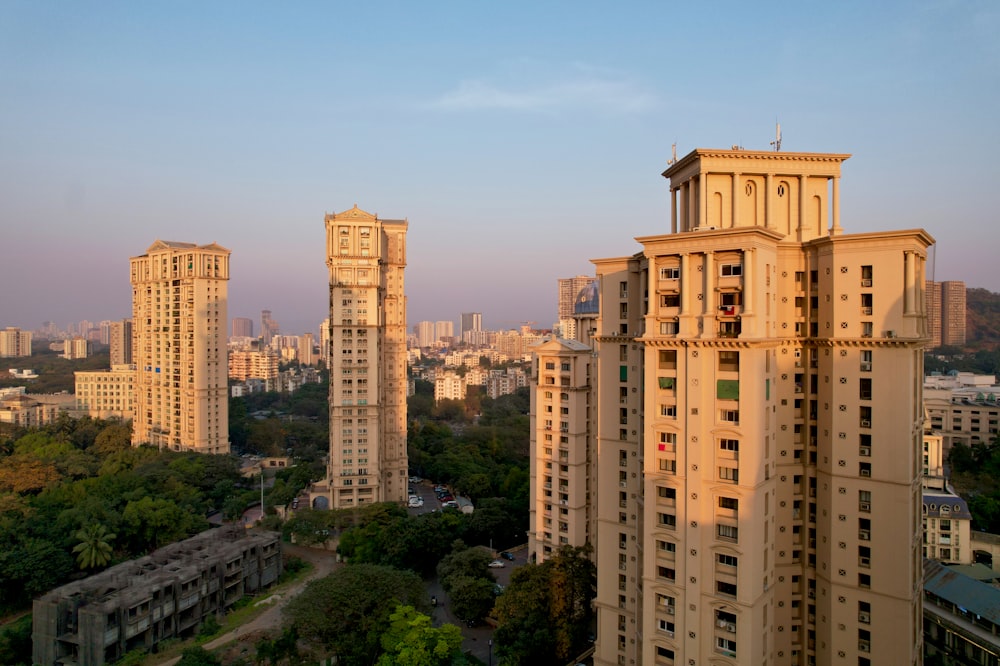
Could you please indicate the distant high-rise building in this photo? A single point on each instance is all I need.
(946, 312)
(76, 347)
(179, 296)
(121, 342)
(242, 327)
(425, 334)
(324, 341)
(758, 427)
(569, 288)
(105, 332)
(366, 257)
(305, 351)
(14, 342)
(443, 330)
(268, 327)
(252, 364)
(471, 321)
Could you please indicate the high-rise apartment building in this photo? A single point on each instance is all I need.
(366, 257)
(268, 327)
(471, 321)
(759, 424)
(946, 313)
(14, 342)
(121, 342)
(306, 354)
(425, 333)
(76, 347)
(569, 289)
(179, 296)
(242, 327)
(443, 329)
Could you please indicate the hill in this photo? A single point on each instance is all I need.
(982, 323)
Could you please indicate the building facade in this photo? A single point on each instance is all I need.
(247, 364)
(166, 595)
(106, 394)
(471, 321)
(14, 342)
(366, 257)
(120, 341)
(179, 296)
(759, 393)
(77, 347)
(946, 313)
(242, 327)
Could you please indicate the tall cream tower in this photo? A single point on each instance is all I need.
(179, 297)
(759, 426)
(367, 350)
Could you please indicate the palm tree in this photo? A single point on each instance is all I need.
(94, 549)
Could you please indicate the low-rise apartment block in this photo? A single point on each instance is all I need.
(168, 594)
(106, 393)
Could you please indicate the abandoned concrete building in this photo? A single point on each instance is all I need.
(137, 604)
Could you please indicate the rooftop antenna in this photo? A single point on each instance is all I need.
(673, 155)
(777, 138)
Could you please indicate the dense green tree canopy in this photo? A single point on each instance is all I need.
(348, 611)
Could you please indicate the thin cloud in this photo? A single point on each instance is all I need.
(589, 93)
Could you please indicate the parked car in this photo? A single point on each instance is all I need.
(507, 556)
(496, 564)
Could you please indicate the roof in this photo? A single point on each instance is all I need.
(966, 593)
(934, 501)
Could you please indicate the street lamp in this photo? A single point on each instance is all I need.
(491, 652)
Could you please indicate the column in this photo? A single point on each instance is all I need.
(692, 217)
(673, 210)
(685, 283)
(835, 207)
(803, 204)
(702, 199)
(709, 277)
(749, 257)
(909, 290)
(736, 201)
(768, 197)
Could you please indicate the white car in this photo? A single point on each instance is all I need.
(415, 503)
(496, 564)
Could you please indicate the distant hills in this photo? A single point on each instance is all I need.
(982, 321)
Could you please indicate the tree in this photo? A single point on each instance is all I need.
(410, 640)
(471, 598)
(346, 612)
(198, 656)
(545, 613)
(94, 549)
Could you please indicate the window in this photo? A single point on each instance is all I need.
(669, 411)
(666, 573)
(666, 653)
(730, 270)
(731, 474)
(723, 587)
(666, 520)
(730, 532)
(727, 560)
(729, 445)
(730, 503)
(670, 273)
(866, 276)
(666, 626)
(730, 416)
(670, 301)
(668, 466)
(666, 546)
(668, 327)
(668, 442)
(667, 359)
(666, 493)
(729, 361)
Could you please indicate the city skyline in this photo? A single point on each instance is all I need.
(486, 127)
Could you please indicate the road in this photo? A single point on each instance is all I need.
(323, 561)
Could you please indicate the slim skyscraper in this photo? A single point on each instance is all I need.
(179, 296)
(366, 257)
(242, 327)
(121, 342)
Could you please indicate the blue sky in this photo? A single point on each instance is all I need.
(520, 139)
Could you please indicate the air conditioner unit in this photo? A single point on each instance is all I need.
(731, 628)
(721, 624)
(670, 610)
(865, 561)
(890, 334)
(866, 423)
(866, 283)
(864, 618)
(865, 451)
(866, 472)
(864, 506)
(865, 535)
(624, 484)
(866, 366)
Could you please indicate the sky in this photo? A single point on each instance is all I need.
(520, 139)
